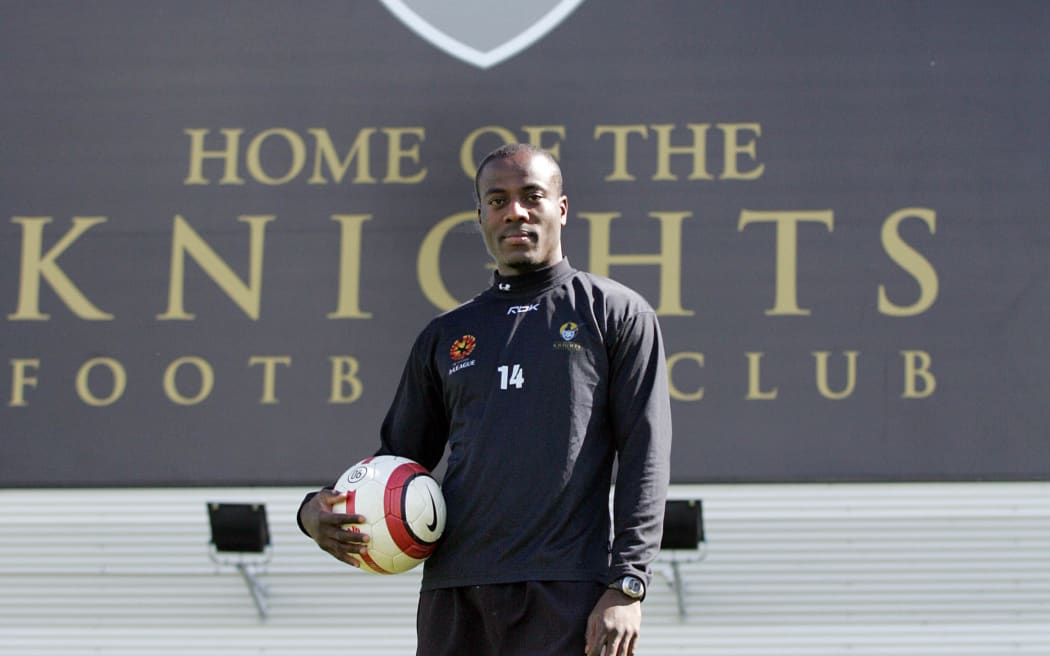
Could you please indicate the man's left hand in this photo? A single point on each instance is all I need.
(614, 625)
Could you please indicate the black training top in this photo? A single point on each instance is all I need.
(536, 386)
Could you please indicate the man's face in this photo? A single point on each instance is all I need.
(521, 212)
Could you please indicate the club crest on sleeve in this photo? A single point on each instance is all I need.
(568, 332)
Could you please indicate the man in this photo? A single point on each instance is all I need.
(537, 387)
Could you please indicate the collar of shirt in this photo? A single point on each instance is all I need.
(531, 282)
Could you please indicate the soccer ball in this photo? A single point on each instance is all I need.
(403, 508)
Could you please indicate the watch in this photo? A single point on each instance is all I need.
(632, 586)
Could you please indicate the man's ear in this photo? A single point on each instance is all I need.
(563, 203)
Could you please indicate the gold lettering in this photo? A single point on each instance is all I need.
(754, 379)
(349, 303)
(911, 261)
(269, 363)
(466, 150)
(20, 380)
(204, 370)
(360, 152)
(116, 370)
(669, 259)
(295, 146)
(228, 155)
(535, 137)
(36, 266)
(675, 393)
(344, 372)
(620, 134)
(732, 149)
(698, 150)
(397, 152)
(917, 366)
(786, 222)
(428, 264)
(822, 374)
(185, 240)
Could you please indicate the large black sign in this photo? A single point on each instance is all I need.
(224, 223)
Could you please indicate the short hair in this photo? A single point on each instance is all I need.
(510, 150)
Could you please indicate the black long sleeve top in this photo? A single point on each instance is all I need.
(537, 387)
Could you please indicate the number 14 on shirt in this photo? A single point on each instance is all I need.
(510, 376)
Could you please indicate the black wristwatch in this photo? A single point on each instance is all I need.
(632, 586)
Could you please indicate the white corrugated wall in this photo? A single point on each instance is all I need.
(813, 570)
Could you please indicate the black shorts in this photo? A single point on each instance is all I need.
(532, 618)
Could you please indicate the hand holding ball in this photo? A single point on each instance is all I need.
(403, 508)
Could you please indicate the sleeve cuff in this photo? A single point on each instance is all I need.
(298, 513)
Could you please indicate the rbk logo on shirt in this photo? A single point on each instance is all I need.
(520, 309)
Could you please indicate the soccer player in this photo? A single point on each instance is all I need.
(539, 387)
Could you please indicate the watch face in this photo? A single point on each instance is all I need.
(633, 587)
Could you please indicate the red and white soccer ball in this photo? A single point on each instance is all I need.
(403, 508)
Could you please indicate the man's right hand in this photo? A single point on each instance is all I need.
(329, 529)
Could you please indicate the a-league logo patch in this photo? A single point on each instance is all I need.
(462, 347)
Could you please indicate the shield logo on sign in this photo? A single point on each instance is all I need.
(476, 31)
